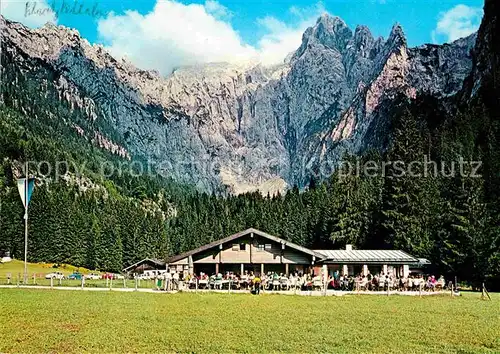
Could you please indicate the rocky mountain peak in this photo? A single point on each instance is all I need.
(329, 32)
(363, 36)
(397, 36)
(327, 25)
(363, 41)
(245, 126)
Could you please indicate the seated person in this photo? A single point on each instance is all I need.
(431, 283)
(409, 283)
(441, 282)
(401, 283)
(387, 282)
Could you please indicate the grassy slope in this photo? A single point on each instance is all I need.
(16, 266)
(58, 321)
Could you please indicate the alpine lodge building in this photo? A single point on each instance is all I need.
(259, 252)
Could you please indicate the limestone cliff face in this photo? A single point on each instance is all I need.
(486, 59)
(246, 127)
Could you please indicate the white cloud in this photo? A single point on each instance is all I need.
(174, 34)
(456, 23)
(30, 13)
(217, 10)
(281, 39)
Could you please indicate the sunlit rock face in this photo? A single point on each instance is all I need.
(247, 127)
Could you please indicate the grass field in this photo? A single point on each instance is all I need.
(62, 321)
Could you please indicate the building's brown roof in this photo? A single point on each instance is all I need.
(158, 263)
(241, 234)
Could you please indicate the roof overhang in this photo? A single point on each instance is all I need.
(158, 263)
(421, 262)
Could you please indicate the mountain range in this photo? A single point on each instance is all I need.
(245, 127)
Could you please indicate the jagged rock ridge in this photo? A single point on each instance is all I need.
(248, 126)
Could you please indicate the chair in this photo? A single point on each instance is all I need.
(430, 286)
(416, 285)
(317, 284)
(244, 283)
(409, 285)
(203, 284)
(192, 283)
(218, 284)
(363, 285)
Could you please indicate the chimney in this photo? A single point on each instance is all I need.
(348, 247)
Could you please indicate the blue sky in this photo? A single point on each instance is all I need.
(190, 32)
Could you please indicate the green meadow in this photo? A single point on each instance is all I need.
(56, 321)
(16, 270)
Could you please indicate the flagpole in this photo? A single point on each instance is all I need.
(26, 226)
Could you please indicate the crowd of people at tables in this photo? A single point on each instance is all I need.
(336, 281)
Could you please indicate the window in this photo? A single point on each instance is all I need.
(236, 247)
(262, 247)
(243, 246)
